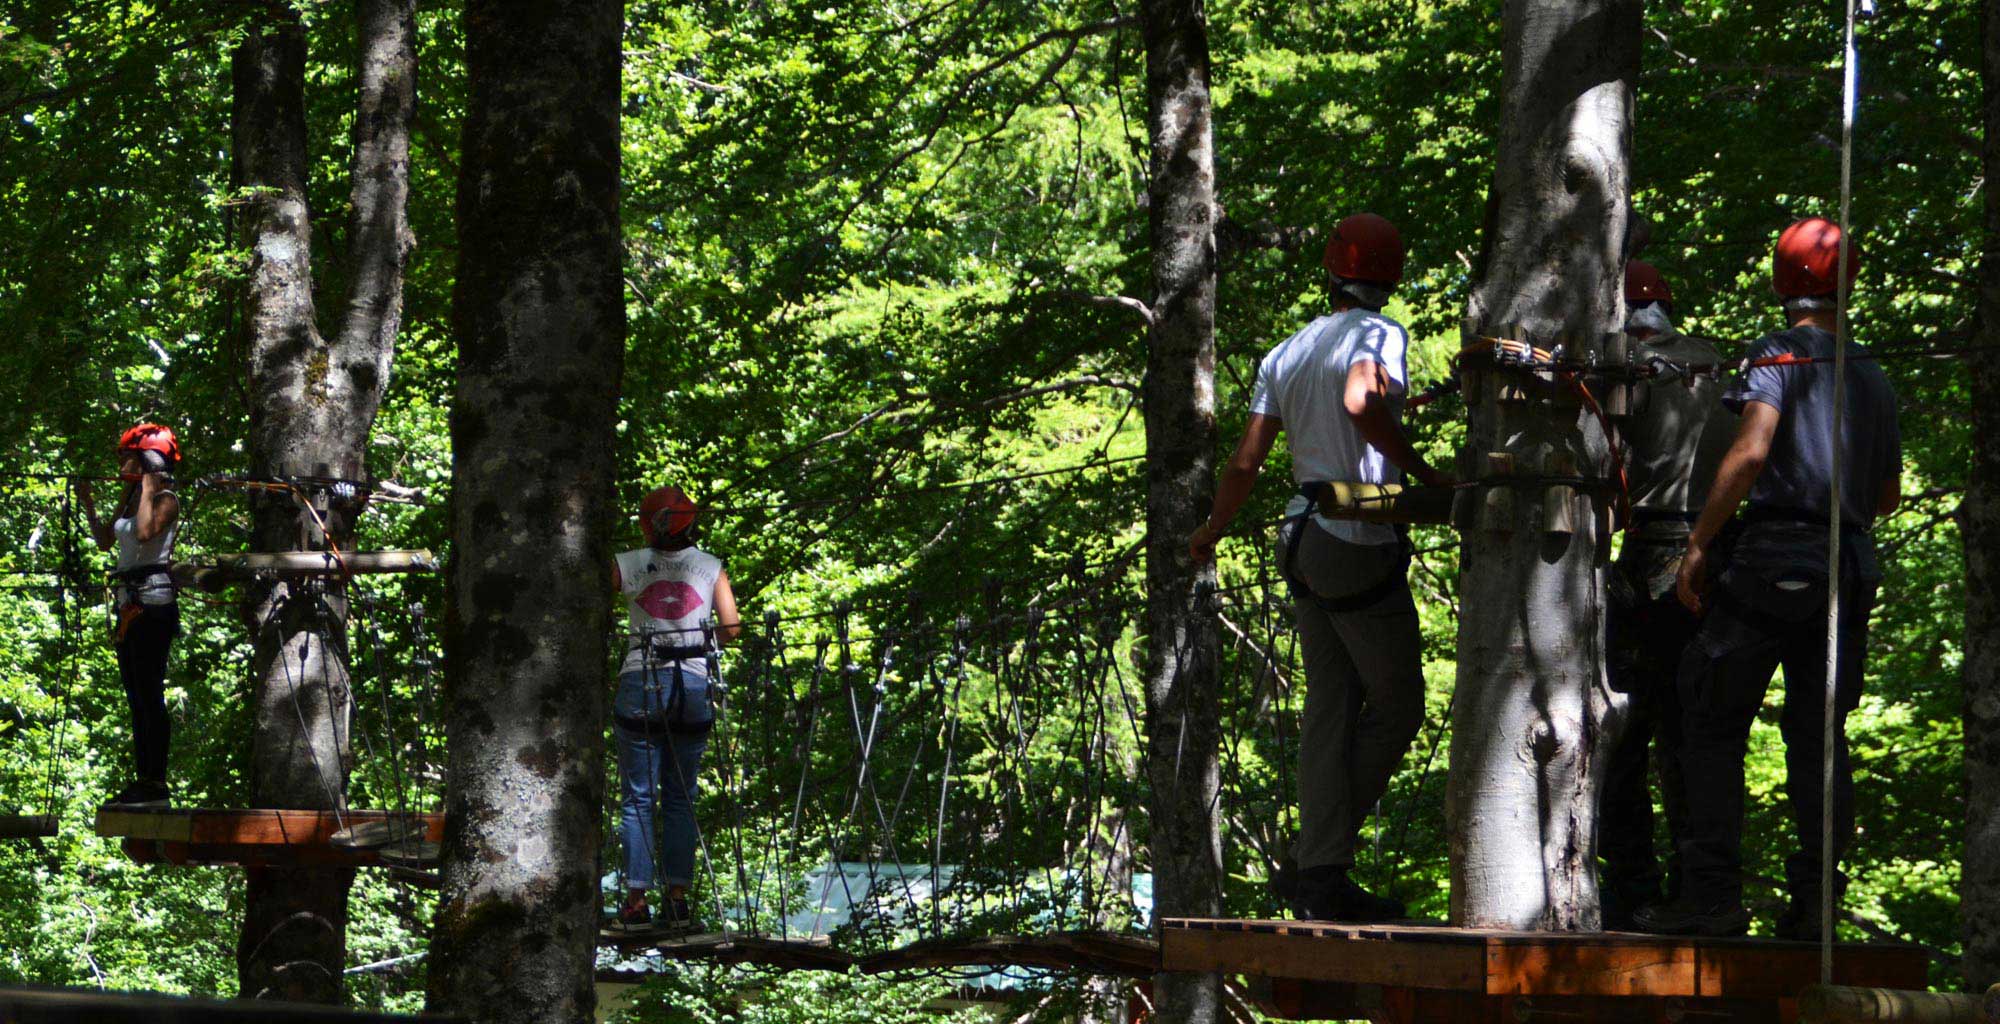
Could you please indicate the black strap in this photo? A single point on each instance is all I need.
(139, 573)
(1789, 514)
(669, 717)
(1363, 598)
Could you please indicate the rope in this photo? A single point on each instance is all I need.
(1831, 716)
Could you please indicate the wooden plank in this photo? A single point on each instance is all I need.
(1516, 966)
(1385, 503)
(1319, 957)
(91, 1006)
(27, 826)
(246, 827)
(1770, 969)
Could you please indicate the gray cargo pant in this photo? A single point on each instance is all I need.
(1364, 686)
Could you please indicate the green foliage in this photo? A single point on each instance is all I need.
(857, 238)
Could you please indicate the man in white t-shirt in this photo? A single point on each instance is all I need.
(1336, 389)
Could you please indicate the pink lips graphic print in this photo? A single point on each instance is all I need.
(669, 599)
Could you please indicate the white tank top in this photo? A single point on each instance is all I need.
(154, 589)
(668, 596)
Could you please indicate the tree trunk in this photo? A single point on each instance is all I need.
(311, 406)
(1979, 521)
(1533, 711)
(540, 317)
(1181, 715)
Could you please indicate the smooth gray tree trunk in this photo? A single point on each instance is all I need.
(1182, 726)
(1979, 522)
(1533, 711)
(312, 402)
(540, 316)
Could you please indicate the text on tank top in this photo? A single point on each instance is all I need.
(668, 596)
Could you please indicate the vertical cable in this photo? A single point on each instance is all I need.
(1830, 718)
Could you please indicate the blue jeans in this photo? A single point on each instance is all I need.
(657, 770)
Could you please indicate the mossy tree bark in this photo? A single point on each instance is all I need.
(1183, 730)
(1533, 711)
(313, 399)
(540, 316)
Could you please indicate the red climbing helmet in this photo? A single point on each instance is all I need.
(151, 437)
(1643, 283)
(1807, 259)
(1365, 247)
(665, 513)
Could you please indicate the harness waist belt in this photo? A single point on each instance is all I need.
(1787, 514)
(674, 652)
(141, 572)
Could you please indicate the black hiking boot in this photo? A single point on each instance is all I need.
(143, 793)
(1693, 916)
(1328, 894)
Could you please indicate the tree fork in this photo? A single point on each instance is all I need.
(1182, 726)
(1533, 712)
(539, 313)
(312, 404)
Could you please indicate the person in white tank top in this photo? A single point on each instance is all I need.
(680, 611)
(147, 614)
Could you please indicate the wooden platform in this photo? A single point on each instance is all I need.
(266, 837)
(1391, 974)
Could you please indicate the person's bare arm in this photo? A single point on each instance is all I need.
(1740, 468)
(1367, 403)
(100, 530)
(156, 508)
(727, 623)
(1239, 477)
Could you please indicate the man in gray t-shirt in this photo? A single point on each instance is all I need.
(1674, 438)
(1768, 605)
(1336, 389)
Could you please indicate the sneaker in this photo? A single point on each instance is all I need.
(143, 793)
(1687, 916)
(632, 917)
(1328, 894)
(675, 915)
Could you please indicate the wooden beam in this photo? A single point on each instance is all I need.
(1773, 969)
(1538, 964)
(248, 826)
(27, 826)
(92, 1006)
(1846, 1004)
(227, 569)
(1571, 968)
(199, 837)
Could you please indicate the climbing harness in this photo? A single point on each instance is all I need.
(1294, 530)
